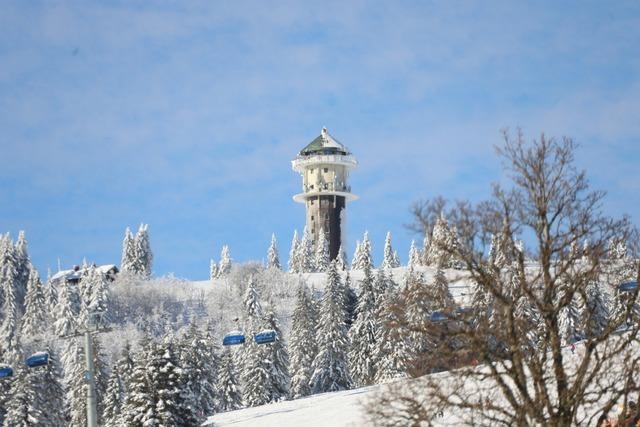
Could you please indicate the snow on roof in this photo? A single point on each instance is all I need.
(106, 268)
(76, 274)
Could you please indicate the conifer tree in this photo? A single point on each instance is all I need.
(142, 252)
(213, 270)
(51, 298)
(363, 255)
(307, 256)
(113, 400)
(139, 409)
(20, 411)
(224, 267)
(331, 371)
(441, 297)
(388, 260)
(252, 307)
(48, 401)
(341, 260)
(33, 321)
(294, 261)
(278, 356)
(418, 308)
(9, 336)
(65, 323)
(392, 354)
(167, 381)
(570, 325)
(273, 258)
(256, 376)
(426, 249)
(23, 268)
(396, 259)
(350, 301)
(127, 264)
(322, 258)
(381, 283)
(363, 332)
(76, 385)
(99, 300)
(439, 240)
(414, 256)
(356, 254)
(230, 398)
(200, 364)
(302, 343)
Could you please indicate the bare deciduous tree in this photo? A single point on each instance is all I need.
(526, 369)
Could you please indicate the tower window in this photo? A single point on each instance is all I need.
(311, 202)
(311, 217)
(312, 186)
(326, 170)
(311, 170)
(326, 216)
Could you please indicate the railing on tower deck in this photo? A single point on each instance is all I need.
(301, 162)
(330, 187)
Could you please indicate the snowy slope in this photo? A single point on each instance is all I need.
(339, 409)
(345, 408)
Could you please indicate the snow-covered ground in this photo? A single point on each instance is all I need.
(339, 409)
(346, 408)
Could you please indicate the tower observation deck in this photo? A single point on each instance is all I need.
(324, 165)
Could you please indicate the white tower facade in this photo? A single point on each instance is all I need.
(324, 165)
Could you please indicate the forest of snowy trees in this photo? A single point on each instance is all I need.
(359, 326)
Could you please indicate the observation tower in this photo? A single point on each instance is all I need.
(324, 165)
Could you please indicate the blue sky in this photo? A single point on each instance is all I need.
(185, 115)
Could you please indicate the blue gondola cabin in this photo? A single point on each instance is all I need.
(265, 337)
(6, 371)
(38, 359)
(233, 338)
(438, 317)
(628, 287)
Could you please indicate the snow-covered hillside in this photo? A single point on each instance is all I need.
(347, 408)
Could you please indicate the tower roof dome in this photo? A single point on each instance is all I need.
(324, 144)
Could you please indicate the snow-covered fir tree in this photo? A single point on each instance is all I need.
(570, 322)
(23, 268)
(382, 281)
(294, 259)
(48, 402)
(113, 400)
(425, 251)
(213, 270)
(392, 354)
(128, 261)
(356, 253)
(302, 343)
(417, 300)
(341, 260)
(51, 299)
(331, 370)
(11, 351)
(396, 259)
(20, 411)
(252, 307)
(350, 300)
(306, 252)
(363, 332)
(442, 299)
(440, 241)
(199, 361)
(363, 255)
(273, 257)
(139, 409)
(65, 323)
(256, 378)
(76, 385)
(224, 267)
(414, 255)
(142, 251)
(278, 356)
(33, 320)
(230, 398)
(388, 260)
(322, 258)
(167, 382)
